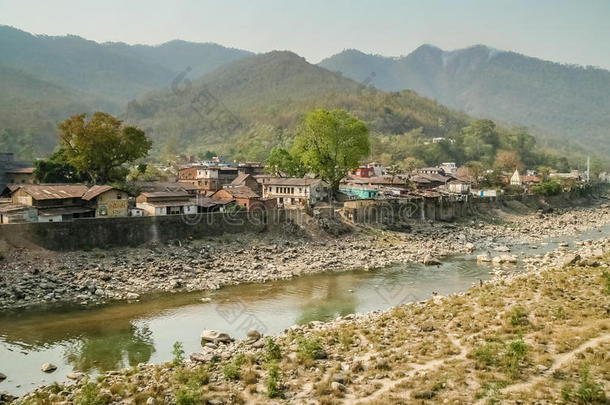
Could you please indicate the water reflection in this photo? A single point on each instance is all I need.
(111, 351)
(334, 301)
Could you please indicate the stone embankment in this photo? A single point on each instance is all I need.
(34, 277)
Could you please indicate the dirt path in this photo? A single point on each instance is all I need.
(560, 361)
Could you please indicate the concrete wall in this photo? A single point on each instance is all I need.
(132, 231)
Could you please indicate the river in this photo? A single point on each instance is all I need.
(119, 335)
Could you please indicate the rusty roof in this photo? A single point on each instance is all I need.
(240, 179)
(95, 191)
(167, 194)
(54, 191)
(241, 192)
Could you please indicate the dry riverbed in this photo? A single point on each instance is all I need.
(31, 277)
(538, 337)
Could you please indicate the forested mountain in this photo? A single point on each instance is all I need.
(251, 105)
(45, 79)
(115, 71)
(30, 109)
(562, 102)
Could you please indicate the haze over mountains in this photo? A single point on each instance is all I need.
(197, 96)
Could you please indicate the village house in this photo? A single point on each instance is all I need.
(245, 180)
(162, 203)
(378, 169)
(153, 186)
(363, 172)
(14, 171)
(16, 213)
(359, 191)
(54, 202)
(293, 192)
(208, 178)
(431, 170)
(449, 168)
(20, 175)
(107, 201)
(252, 168)
(428, 181)
(242, 195)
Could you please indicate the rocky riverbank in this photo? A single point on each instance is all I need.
(539, 336)
(34, 277)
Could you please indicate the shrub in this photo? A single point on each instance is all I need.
(588, 392)
(178, 353)
(547, 188)
(518, 316)
(310, 349)
(515, 353)
(90, 395)
(272, 350)
(232, 370)
(187, 395)
(489, 353)
(272, 380)
(606, 277)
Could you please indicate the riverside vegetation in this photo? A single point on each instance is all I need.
(541, 336)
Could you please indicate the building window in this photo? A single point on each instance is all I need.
(119, 196)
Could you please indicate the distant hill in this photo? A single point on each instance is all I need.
(45, 79)
(30, 109)
(563, 102)
(250, 105)
(115, 71)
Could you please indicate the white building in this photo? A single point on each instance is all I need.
(293, 192)
(166, 203)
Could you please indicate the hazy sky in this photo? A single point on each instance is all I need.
(570, 31)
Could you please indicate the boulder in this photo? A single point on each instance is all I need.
(201, 357)
(337, 387)
(48, 367)
(215, 336)
(502, 249)
(570, 259)
(484, 258)
(75, 376)
(429, 260)
(132, 296)
(2, 377)
(253, 334)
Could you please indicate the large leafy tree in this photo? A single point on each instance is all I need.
(57, 169)
(330, 144)
(281, 162)
(101, 146)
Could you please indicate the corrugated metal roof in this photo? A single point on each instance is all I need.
(54, 191)
(95, 191)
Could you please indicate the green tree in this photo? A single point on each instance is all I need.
(282, 162)
(544, 172)
(480, 140)
(57, 169)
(330, 144)
(144, 172)
(475, 171)
(101, 146)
